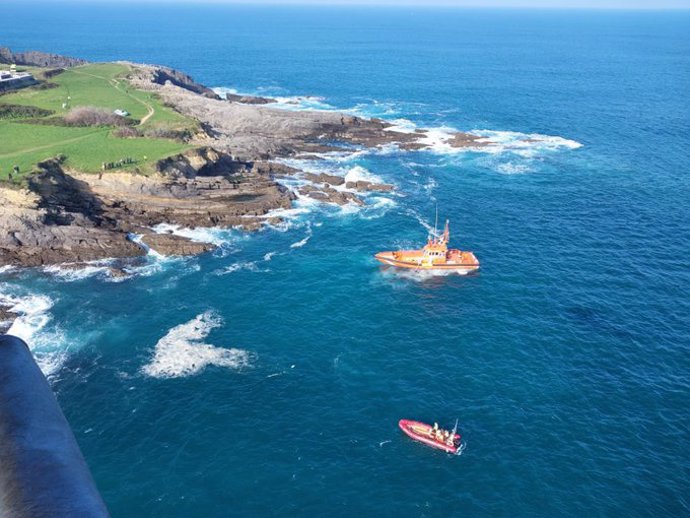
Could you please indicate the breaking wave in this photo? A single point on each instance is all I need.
(215, 235)
(526, 145)
(285, 102)
(32, 325)
(419, 275)
(236, 267)
(182, 352)
(77, 272)
(303, 241)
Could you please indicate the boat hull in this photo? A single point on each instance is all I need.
(422, 432)
(389, 259)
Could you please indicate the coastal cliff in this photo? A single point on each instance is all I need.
(230, 178)
(66, 216)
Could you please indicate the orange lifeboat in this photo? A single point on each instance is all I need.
(434, 256)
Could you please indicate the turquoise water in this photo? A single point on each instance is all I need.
(565, 359)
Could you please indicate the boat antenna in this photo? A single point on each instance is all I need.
(436, 224)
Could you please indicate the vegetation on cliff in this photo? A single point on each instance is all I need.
(36, 123)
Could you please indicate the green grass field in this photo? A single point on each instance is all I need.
(101, 85)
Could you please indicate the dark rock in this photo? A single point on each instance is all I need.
(38, 59)
(330, 195)
(169, 244)
(162, 75)
(248, 99)
(7, 317)
(329, 179)
(362, 185)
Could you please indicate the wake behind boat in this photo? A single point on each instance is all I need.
(432, 435)
(434, 256)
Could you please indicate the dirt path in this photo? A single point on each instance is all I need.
(116, 84)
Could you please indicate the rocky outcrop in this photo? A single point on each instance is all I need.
(253, 132)
(248, 99)
(36, 58)
(329, 179)
(76, 217)
(330, 195)
(163, 75)
(200, 188)
(7, 317)
(170, 244)
(364, 186)
(229, 180)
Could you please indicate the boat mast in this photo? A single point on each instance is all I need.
(436, 225)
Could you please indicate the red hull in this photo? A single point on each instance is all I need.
(423, 432)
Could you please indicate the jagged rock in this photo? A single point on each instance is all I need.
(253, 132)
(117, 273)
(330, 179)
(79, 217)
(163, 75)
(170, 244)
(6, 318)
(362, 185)
(274, 169)
(330, 195)
(248, 99)
(38, 59)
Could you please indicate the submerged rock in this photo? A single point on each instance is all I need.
(7, 318)
(329, 179)
(170, 244)
(362, 185)
(330, 195)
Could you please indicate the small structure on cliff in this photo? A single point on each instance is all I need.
(11, 79)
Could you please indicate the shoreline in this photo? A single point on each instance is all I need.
(230, 178)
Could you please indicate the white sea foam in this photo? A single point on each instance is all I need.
(402, 126)
(286, 102)
(361, 174)
(421, 220)
(420, 275)
(236, 267)
(302, 102)
(269, 256)
(304, 241)
(526, 145)
(138, 239)
(181, 352)
(512, 168)
(31, 325)
(215, 235)
(71, 273)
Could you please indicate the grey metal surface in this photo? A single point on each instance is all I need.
(42, 470)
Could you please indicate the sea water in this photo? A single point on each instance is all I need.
(268, 377)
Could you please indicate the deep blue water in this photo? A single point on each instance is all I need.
(566, 359)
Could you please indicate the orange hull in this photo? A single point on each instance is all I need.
(414, 259)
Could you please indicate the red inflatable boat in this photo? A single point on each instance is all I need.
(432, 435)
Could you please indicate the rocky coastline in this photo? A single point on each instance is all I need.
(231, 178)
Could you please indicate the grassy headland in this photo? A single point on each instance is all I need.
(26, 139)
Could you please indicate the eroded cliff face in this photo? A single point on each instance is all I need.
(228, 181)
(38, 59)
(251, 129)
(75, 217)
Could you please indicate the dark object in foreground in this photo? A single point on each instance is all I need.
(42, 471)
